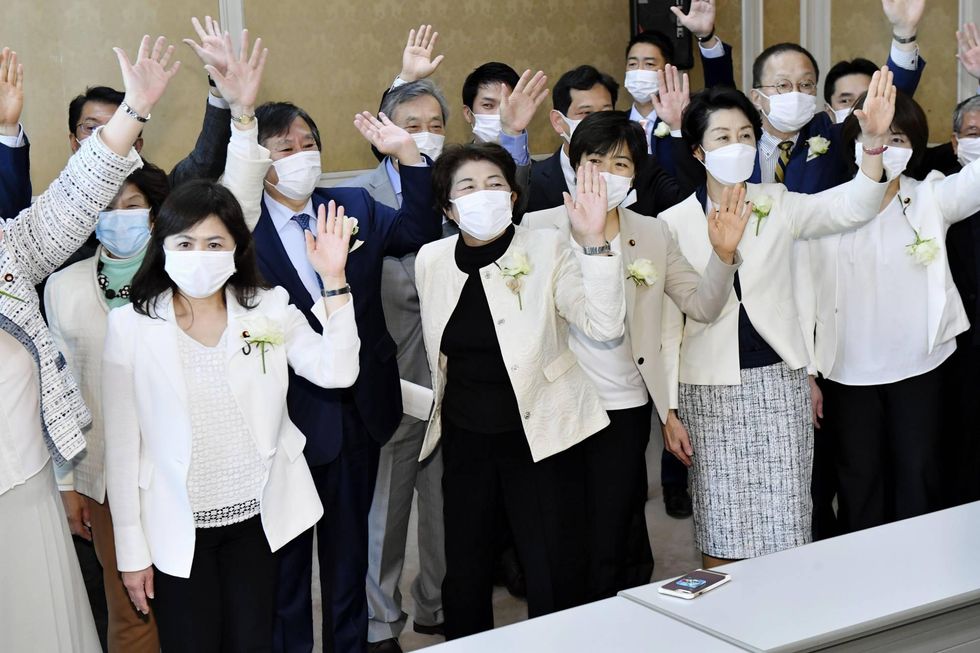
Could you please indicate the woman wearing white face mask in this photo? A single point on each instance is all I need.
(204, 468)
(887, 314)
(510, 399)
(628, 371)
(740, 413)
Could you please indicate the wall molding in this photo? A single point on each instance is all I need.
(966, 84)
(232, 17)
(752, 30)
(815, 31)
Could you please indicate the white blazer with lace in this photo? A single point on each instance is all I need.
(558, 404)
(148, 425)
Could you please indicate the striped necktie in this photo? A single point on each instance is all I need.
(784, 151)
(303, 220)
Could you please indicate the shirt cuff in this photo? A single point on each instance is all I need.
(676, 133)
(14, 141)
(715, 51)
(906, 59)
(218, 102)
(245, 142)
(516, 146)
(398, 82)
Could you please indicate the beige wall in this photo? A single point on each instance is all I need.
(781, 21)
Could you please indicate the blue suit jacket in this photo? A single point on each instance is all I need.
(15, 179)
(385, 232)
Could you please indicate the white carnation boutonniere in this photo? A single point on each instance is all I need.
(355, 242)
(923, 250)
(761, 206)
(642, 272)
(662, 130)
(262, 332)
(513, 267)
(817, 146)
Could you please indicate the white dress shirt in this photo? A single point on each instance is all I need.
(647, 122)
(882, 313)
(20, 410)
(14, 141)
(568, 171)
(294, 241)
(609, 365)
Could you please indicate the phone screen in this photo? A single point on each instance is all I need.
(696, 581)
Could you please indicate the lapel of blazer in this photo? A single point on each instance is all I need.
(381, 189)
(160, 340)
(630, 243)
(691, 228)
(279, 270)
(94, 278)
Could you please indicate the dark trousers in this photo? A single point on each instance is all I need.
(887, 439)
(823, 485)
(346, 487)
(543, 505)
(615, 486)
(228, 603)
(673, 473)
(961, 424)
(88, 561)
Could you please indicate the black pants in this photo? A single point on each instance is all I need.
(823, 485)
(615, 486)
(543, 505)
(961, 425)
(887, 439)
(229, 602)
(673, 473)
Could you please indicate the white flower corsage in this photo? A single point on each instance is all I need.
(353, 232)
(817, 145)
(642, 272)
(924, 250)
(761, 206)
(513, 266)
(662, 130)
(259, 330)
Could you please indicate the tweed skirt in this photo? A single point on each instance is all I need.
(752, 463)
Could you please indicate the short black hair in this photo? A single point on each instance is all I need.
(603, 132)
(705, 102)
(656, 39)
(843, 69)
(582, 78)
(189, 204)
(456, 155)
(275, 118)
(492, 72)
(909, 119)
(780, 48)
(153, 182)
(100, 94)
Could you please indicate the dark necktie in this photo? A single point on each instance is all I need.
(303, 220)
(784, 151)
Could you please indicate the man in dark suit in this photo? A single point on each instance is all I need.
(344, 428)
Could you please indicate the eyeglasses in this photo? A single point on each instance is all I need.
(86, 129)
(786, 86)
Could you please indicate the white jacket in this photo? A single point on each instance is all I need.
(148, 425)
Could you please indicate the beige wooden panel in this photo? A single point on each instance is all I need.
(781, 22)
(67, 45)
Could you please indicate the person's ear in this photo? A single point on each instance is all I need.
(138, 145)
(513, 199)
(557, 121)
(271, 176)
(955, 143)
(452, 213)
(73, 142)
(468, 115)
(756, 98)
(698, 152)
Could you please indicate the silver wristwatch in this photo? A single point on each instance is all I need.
(597, 251)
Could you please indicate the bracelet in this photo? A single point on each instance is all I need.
(710, 36)
(132, 113)
(244, 119)
(904, 39)
(597, 251)
(874, 151)
(339, 291)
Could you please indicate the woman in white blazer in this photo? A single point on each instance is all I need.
(740, 396)
(510, 400)
(887, 316)
(628, 371)
(205, 471)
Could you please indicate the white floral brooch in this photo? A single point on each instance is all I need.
(922, 250)
(662, 130)
(262, 332)
(642, 272)
(512, 267)
(353, 232)
(761, 206)
(818, 145)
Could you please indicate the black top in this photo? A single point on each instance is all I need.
(479, 396)
(753, 350)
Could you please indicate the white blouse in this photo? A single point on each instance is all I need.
(21, 440)
(883, 331)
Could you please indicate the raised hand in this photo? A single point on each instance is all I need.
(328, 251)
(969, 42)
(726, 224)
(517, 108)
(388, 137)
(11, 92)
(240, 81)
(878, 111)
(587, 214)
(677, 440)
(904, 15)
(417, 61)
(146, 79)
(673, 97)
(211, 50)
(700, 20)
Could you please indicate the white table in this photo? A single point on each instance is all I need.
(614, 625)
(920, 575)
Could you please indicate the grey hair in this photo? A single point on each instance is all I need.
(966, 106)
(410, 91)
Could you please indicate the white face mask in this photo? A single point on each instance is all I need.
(731, 164)
(199, 274)
(484, 214)
(967, 150)
(841, 114)
(429, 144)
(642, 84)
(895, 159)
(790, 112)
(486, 127)
(572, 124)
(617, 188)
(298, 174)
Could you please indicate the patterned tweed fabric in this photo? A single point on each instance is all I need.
(752, 463)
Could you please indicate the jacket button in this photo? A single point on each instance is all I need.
(486, 275)
(500, 321)
(8, 277)
(639, 361)
(632, 243)
(527, 414)
(513, 368)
